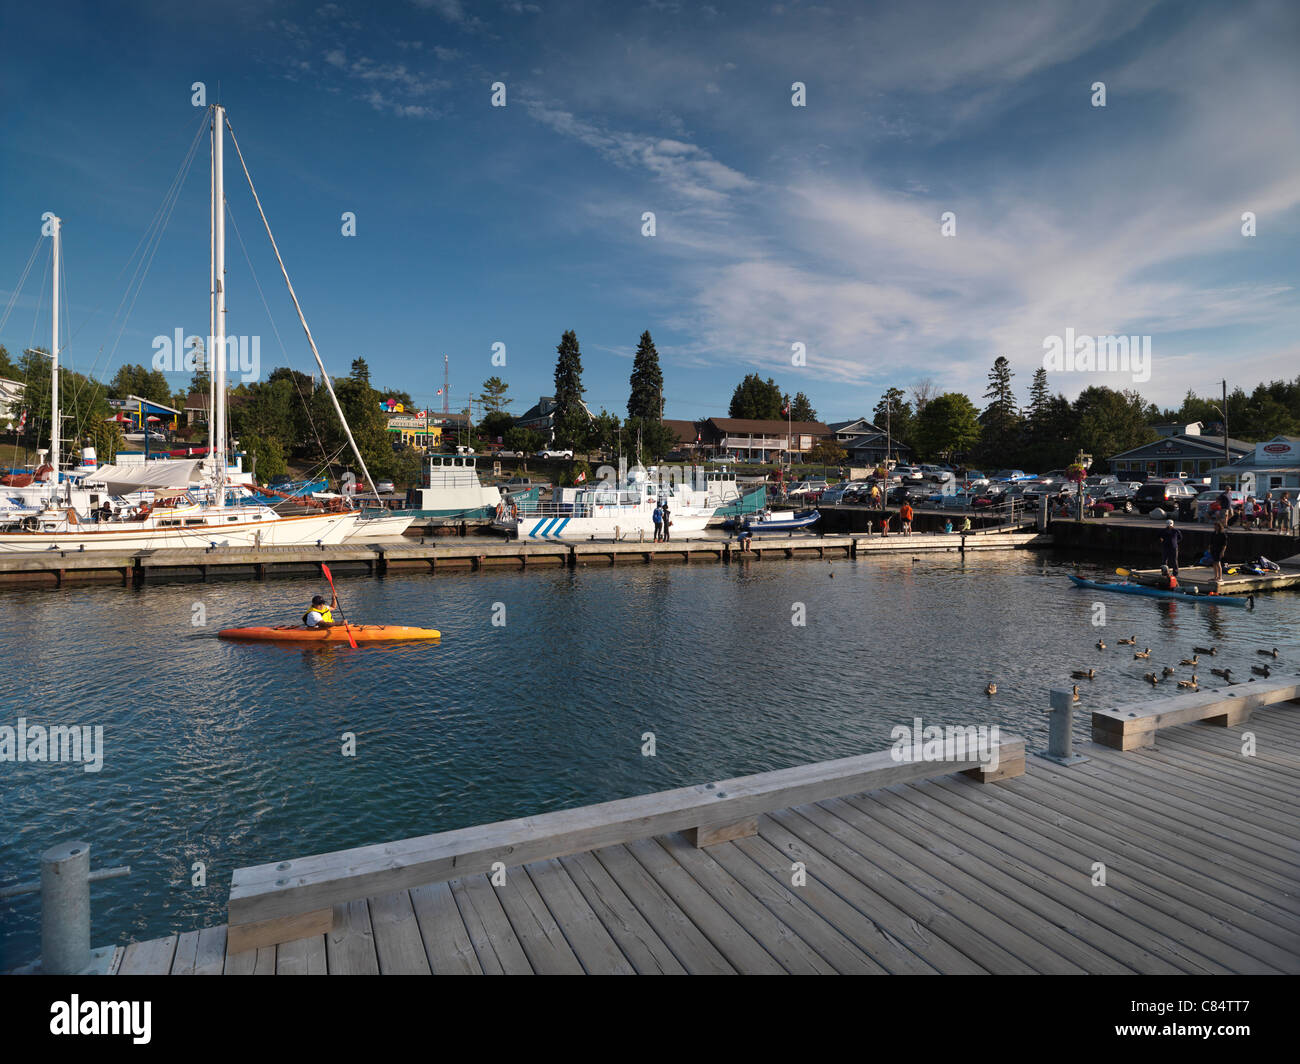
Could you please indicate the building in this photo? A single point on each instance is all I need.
(11, 398)
(196, 409)
(1273, 465)
(422, 433)
(138, 411)
(687, 435)
(541, 417)
(1185, 453)
(759, 440)
(867, 443)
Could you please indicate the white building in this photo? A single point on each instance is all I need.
(1273, 465)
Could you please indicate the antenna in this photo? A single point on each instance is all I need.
(446, 385)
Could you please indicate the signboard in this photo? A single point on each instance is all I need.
(1277, 452)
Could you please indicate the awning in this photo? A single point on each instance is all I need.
(142, 476)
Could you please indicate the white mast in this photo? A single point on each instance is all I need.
(55, 427)
(212, 298)
(217, 361)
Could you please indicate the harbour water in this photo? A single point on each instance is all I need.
(230, 754)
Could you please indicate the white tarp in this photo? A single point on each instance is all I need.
(178, 475)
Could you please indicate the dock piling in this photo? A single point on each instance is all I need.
(1060, 729)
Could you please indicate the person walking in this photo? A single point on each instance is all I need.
(1218, 547)
(1169, 539)
(658, 518)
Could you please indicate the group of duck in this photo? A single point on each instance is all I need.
(1155, 678)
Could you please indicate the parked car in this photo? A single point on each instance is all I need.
(1208, 505)
(550, 453)
(1120, 496)
(724, 458)
(1009, 475)
(1171, 496)
(518, 484)
(385, 487)
(907, 472)
(1099, 481)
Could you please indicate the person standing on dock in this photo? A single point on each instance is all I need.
(905, 515)
(658, 518)
(1218, 547)
(1169, 546)
(668, 522)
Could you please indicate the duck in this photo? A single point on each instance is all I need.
(1194, 660)
(1075, 693)
(1260, 670)
(1268, 653)
(1142, 653)
(1082, 674)
(1151, 678)
(1101, 645)
(1205, 650)
(1131, 641)
(991, 689)
(1225, 673)
(1189, 685)
(1168, 670)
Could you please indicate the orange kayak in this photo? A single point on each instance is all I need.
(362, 633)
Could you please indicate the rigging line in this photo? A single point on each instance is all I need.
(22, 282)
(301, 317)
(258, 284)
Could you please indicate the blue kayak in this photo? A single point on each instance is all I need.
(1156, 592)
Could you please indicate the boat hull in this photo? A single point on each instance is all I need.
(1156, 592)
(362, 633)
(305, 530)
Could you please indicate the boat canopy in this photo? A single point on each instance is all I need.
(143, 476)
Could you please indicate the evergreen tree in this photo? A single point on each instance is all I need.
(571, 418)
(646, 399)
(493, 396)
(800, 408)
(757, 399)
(1000, 420)
(893, 414)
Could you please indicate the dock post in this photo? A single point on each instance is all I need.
(64, 887)
(1060, 729)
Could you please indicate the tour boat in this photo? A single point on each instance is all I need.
(604, 512)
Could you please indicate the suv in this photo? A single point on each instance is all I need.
(1166, 495)
(548, 453)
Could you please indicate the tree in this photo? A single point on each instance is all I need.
(647, 437)
(495, 424)
(894, 415)
(1000, 422)
(1109, 422)
(571, 417)
(827, 452)
(369, 426)
(267, 454)
(493, 396)
(922, 392)
(139, 381)
(1047, 433)
(524, 441)
(757, 399)
(800, 408)
(647, 397)
(8, 368)
(605, 434)
(107, 439)
(947, 427)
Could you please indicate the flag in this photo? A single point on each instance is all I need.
(438, 392)
(22, 420)
(580, 478)
(785, 410)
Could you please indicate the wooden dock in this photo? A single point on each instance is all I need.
(1201, 578)
(139, 568)
(1181, 857)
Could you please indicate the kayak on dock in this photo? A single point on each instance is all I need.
(1156, 592)
(362, 633)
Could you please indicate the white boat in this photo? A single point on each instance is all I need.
(604, 512)
(379, 525)
(452, 489)
(197, 508)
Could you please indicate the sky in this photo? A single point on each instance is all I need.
(774, 225)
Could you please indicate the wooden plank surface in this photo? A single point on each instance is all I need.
(398, 943)
(446, 942)
(303, 956)
(149, 958)
(350, 947)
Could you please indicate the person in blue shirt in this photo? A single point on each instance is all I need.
(1169, 539)
(658, 519)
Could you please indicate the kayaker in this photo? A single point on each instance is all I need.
(320, 615)
(1166, 580)
(1169, 546)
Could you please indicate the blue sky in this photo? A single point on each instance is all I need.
(775, 224)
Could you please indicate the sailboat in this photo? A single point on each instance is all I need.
(185, 503)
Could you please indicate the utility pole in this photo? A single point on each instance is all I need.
(1227, 460)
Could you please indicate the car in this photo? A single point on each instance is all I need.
(552, 453)
(1169, 496)
(1009, 475)
(724, 458)
(385, 487)
(1208, 505)
(907, 472)
(1120, 496)
(1099, 481)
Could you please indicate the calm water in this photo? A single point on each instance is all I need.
(230, 754)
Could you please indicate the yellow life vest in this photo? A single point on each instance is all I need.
(326, 617)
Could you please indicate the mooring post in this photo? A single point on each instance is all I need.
(64, 887)
(1060, 729)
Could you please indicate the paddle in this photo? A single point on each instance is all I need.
(326, 570)
(1123, 572)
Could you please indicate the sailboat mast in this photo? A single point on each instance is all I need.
(217, 444)
(54, 360)
(212, 298)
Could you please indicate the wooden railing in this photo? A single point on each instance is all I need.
(287, 900)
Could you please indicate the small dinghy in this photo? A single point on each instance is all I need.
(766, 522)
